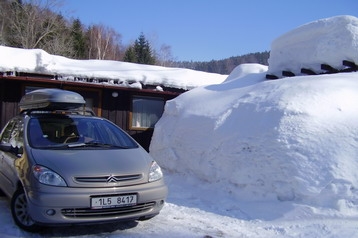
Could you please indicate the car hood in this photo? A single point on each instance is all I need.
(92, 168)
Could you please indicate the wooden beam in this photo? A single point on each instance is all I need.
(287, 73)
(351, 66)
(271, 76)
(308, 71)
(329, 68)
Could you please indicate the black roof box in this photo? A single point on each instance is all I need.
(51, 99)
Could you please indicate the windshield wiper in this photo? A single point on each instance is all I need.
(96, 144)
(76, 145)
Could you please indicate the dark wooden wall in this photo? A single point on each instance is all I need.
(116, 109)
(10, 95)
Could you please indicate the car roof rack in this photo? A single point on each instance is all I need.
(77, 111)
(51, 99)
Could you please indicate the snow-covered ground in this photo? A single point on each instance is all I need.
(250, 157)
(200, 209)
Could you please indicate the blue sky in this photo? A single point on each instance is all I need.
(203, 30)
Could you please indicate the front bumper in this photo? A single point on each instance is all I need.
(64, 205)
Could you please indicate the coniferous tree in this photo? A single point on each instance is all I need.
(143, 51)
(78, 40)
(140, 52)
(129, 55)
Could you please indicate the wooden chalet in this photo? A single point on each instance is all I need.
(134, 110)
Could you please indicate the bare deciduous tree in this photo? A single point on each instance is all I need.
(3, 9)
(60, 41)
(29, 23)
(104, 43)
(37, 24)
(165, 56)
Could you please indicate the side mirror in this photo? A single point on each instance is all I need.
(6, 147)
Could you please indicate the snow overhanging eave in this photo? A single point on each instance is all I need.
(130, 85)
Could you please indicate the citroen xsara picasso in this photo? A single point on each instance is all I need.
(61, 165)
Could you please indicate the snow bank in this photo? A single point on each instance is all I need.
(326, 41)
(287, 139)
(113, 72)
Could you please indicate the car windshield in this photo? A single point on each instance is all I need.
(73, 132)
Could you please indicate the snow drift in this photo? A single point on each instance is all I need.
(287, 139)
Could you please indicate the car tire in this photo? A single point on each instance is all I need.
(19, 211)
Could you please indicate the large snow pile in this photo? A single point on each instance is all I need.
(116, 73)
(286, 139)
(326, 41)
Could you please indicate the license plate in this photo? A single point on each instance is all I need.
(113, 201)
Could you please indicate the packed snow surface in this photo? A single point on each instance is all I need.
(250, 157)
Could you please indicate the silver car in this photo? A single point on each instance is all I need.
(61, 165)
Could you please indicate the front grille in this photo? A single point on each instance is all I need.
(108, 178)
(107, 212)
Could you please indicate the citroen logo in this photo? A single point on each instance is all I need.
(111, 179)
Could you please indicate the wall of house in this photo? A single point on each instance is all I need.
(10, 95)
(116, 108)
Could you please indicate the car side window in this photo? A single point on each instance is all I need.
(6, 134)
(13, 135)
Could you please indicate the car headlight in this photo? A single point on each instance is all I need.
(155, 172)
(47, 176)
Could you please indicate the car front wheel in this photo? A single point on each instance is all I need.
(20, 213)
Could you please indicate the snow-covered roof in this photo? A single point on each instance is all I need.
(325, 41)
(118, 73)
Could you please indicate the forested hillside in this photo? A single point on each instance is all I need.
(51, 31)
(225, 66)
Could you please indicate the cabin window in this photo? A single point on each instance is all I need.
(146, 111)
